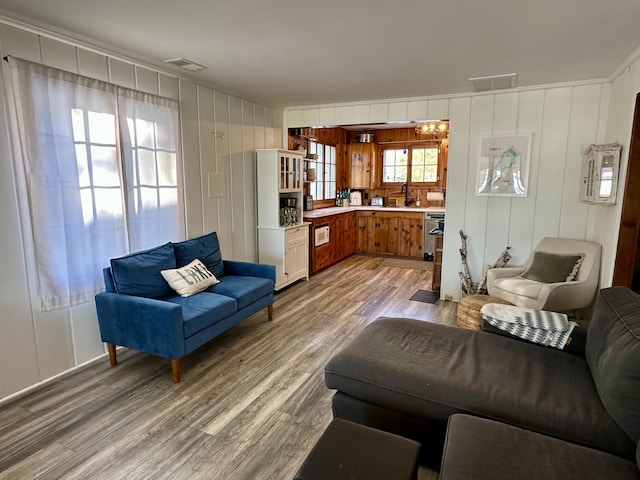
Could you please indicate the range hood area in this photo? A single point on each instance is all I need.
(364, 138)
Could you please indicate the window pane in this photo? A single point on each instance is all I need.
(167, 169)
(319, 173)
(417, 173)
(105, 166)
(84, 178)
(424, 164)
(102, 128)
(168, 197)
(331, 190)
(108, 202)
(401, 174)
(145, 134)
(86, 200)
(389, 158)
(394, 165)
(77, 121)
(332, 154)
(146, 167)
(149, 198)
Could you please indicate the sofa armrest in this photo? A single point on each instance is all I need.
(233, 267)
(145, 324)
(577, 293)
(576, 344)
(503, 272)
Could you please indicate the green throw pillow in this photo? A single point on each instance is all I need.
(553, 267)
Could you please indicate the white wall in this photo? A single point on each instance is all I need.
(219, 134)
(606, 226)
(564, 120)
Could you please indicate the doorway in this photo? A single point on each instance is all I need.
(627, 265)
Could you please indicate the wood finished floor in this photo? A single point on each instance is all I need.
(251, 403)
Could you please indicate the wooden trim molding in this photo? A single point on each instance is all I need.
(627, 250)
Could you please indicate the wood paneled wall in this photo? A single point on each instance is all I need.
(220, 133)
(340, 137)
(563, 120)
(399, 136)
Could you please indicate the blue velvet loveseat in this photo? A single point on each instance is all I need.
(141, 311)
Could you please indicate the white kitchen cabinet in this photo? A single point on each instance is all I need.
(280, 182)
(296, 261)
(286, 248)
(283, 238)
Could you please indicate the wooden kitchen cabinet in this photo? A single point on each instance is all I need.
(391, 233)
(345, 226)
(377, 234)
(360, 159)
(342, 240)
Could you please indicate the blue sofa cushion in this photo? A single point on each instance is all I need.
(202, 310)
(139, 273)
(206, 248)
(244, 289)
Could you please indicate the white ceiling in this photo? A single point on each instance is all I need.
(285, 52)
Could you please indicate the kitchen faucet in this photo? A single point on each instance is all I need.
(405, 190)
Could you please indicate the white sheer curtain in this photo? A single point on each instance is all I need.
(98, 171)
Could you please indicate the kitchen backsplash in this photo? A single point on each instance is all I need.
(415, 194)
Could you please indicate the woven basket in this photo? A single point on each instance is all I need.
(469, 310)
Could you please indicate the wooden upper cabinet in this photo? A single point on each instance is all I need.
(360, 159)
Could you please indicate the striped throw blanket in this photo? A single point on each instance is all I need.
(551, 329)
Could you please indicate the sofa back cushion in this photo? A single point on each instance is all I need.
(139, 273)
(613, 355)
(206, 248)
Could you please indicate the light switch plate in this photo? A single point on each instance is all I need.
(217, 185)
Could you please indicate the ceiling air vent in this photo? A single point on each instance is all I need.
(496, 82)
(186, 64)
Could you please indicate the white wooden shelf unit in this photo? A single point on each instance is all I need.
(283, 240)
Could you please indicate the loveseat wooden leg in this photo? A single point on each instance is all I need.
(112, 354)
(175, 370)
(270, 311)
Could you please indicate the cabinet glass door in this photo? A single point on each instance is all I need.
(290, 173)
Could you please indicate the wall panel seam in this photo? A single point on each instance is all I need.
(566, 159)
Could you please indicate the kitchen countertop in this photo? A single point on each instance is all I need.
(324, 212)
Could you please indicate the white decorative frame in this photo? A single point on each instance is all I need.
(503, 165)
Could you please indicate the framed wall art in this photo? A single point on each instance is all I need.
(503, 166)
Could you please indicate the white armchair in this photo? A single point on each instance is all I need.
(507, 284)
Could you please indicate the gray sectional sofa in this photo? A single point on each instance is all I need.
(409, 377)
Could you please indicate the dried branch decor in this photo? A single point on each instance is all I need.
(468, 287)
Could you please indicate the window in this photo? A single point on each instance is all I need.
(324, 187)
(419, 163)
(98, 173)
